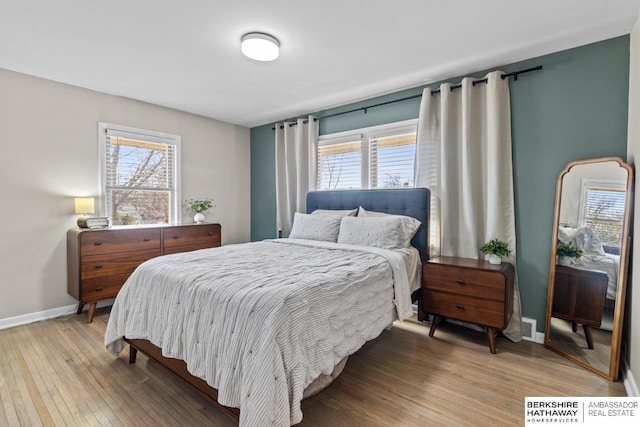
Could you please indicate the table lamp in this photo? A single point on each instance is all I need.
(84, 206)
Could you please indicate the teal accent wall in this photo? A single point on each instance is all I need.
(575, 108)
(263, 183)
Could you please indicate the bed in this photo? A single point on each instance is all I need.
(251, 332)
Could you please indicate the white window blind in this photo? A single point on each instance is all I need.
(602, 210)
(379, 156)
(340, 164)
(140, 176)
(392, 160)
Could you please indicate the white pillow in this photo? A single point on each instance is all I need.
(387, 232)
(344, 212)
(315, 227)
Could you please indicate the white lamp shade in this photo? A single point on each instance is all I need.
(261, 47)
(84, 205)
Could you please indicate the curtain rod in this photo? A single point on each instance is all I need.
(433, 92)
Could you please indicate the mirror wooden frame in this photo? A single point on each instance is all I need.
(621, 291)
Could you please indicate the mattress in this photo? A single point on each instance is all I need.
(260, 321)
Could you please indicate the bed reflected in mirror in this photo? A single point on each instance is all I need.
(588, 269)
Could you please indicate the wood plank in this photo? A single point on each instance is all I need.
(57, 372)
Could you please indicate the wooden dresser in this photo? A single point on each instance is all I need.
(469, 290)
(100, 261)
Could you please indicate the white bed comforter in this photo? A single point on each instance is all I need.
(260, 321)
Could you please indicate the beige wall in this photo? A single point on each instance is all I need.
(632, 353)
(48, 132)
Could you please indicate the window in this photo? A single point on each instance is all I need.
(139, 172)
(340, 164)
(376, 157)
(602, 209)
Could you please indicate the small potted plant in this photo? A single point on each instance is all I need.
(127, 219)
(496, 249)
(567, 251)
(199, 206)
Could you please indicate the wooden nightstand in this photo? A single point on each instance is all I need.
(100, 261)
(579, 297)
(469, 290)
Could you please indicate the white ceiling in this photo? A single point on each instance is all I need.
(185, 54)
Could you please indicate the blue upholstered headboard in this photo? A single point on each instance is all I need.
(407, 201)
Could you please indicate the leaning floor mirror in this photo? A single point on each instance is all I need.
(589, 259)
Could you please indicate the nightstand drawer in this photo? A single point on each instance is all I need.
(470, 309)
(463, 281)
(114, 263)
(109, 241)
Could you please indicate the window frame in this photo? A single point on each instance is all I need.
(365, 135)
(612, 184)
(110, 129)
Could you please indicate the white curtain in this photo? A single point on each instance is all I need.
(463, 155)
(296, 168)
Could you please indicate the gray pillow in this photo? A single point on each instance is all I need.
(387, 232)
(340, 212)
(315, 227)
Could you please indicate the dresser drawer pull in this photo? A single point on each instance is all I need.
(97, 243)
(98, 265)
(210, 233)
(176, 237)
(460, 282)
(147, 239)
(99, 288)
(460, 306)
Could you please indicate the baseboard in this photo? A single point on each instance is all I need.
(529, 331)
(628, 379)
(25, 319)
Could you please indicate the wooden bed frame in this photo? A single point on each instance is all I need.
(179, 368)
(412, 202)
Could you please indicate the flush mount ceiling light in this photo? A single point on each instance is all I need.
(260, 46)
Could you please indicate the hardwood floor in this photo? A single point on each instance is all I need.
(57, 372)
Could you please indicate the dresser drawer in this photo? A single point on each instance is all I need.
(470, 309)
(463, 281)
(109, 241)
(193, 237)
(115, 263)
(103, 287)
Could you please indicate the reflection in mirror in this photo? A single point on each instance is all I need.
(587, 274)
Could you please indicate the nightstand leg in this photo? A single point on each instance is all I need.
(491, 334)
(92, 311)
(434, 325)
(588, 336)
(80, 307)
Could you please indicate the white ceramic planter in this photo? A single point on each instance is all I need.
(494, 259)
(564, 260)
(199, 218)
